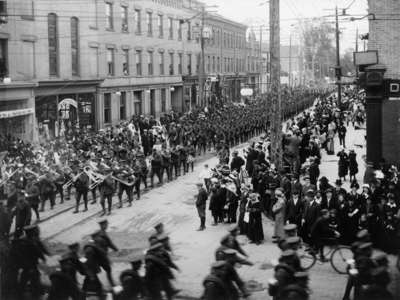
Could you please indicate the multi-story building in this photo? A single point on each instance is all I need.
(93, 63)
(383, 105)
(254, 63)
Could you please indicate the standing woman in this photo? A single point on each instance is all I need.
(255, 230)
(278, 210)
(343, 164)
(330, 146)
(353, 165)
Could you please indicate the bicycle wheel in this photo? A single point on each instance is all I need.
(339, 259)
(307, 258)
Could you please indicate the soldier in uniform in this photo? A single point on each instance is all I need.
(166, 165)
(127, 176)
(59, 182)
(132, 283)
(22, 214)
(201, 200)
(106, 188)
(73, 261)
(103, 241)
(47, 191)
(27, 253)
(32, 195)
(175, 161)
(156, 162)
(81, 188)
(215, 284)
(63, 287)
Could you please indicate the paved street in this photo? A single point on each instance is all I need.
(173, 204)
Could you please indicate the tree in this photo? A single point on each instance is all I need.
(318, 48)
(346, 61)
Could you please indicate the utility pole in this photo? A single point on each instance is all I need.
(276, 113)
(260, 63)
(202, 64)
(290, 61)
(357, 51)
(338, 67)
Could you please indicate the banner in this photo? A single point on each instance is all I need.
(16, 113)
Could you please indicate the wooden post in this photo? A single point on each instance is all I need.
(276, 114)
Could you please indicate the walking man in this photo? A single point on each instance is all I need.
(201, 205)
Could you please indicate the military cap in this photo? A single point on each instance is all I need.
(293, 240)
(136, 261)
(73, 246)
(310, 193)
(103, 221)
(290, 227)
(329, 190)
(159, 225)
(306, 177)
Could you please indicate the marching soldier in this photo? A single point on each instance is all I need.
(141, 162)
(175, 161)
(166, 163)
(32, 195)
(47, 191)
(126, 184)
(59, 181)
(81, 184)
(156, 162)
(106, 188)
(132, 283)
(22, 214)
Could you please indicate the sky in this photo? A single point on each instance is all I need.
(254, 13)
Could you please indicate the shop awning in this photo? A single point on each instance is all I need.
(16, 113)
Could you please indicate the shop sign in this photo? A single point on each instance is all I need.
(16, 113)
(246, 92)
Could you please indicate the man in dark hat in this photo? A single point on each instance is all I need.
(81, 184)
(237, 162)
(310, 214)
(22, 214)
(132, 283)
(294, 209)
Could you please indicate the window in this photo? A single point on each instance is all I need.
(180, 58)
(161, 59)
(110, 62)
(218, 65)
(208, 64)
(109, 16)
(137, 102)
(53, 44)
(75, 46)
(3, 58)
(138, 21)
(122, 106)
(125, 64)
(107, 108)
(124, 19)
(171, 64)
(163, 100)
(150, 63)
(189, 64)
(171, 28)
(189, 31)
(160, 25)
(138, 59)
(149, 20)
(197, 63)
(213, 64)
(180, 29)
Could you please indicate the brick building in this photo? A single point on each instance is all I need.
(383, 112)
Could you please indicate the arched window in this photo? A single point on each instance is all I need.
(75, 46)
(53, 44)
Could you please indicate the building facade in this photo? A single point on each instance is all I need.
(383, 110)
(93, 63)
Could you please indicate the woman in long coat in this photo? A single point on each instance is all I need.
(343, 164)
(353, 165)
(330, 146)
(278, 210)
(255, 231)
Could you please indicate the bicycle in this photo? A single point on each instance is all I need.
(338, 256)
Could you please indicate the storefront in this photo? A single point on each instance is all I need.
(190, 92)
(70, 108)
(17, 107)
